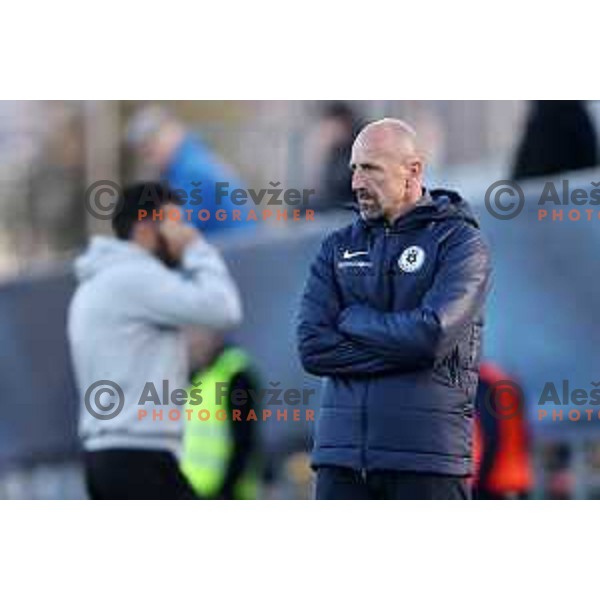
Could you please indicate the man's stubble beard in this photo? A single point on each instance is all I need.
(374, 210)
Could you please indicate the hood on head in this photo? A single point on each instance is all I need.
(103, 253)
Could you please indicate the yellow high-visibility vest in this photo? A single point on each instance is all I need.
(208, 444)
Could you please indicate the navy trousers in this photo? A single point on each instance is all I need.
(336, 483)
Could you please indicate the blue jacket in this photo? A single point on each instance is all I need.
(191, 163)
(392, 316)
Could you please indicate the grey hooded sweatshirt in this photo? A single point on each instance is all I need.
(125, 326)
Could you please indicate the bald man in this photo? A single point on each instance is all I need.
(392, 317)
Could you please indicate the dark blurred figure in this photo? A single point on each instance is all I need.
(338, 127)
(559, 137)
(558, 464)
(502, 454)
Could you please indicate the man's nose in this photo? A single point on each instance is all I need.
(358, 181)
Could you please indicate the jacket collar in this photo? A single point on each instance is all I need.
(423, 205)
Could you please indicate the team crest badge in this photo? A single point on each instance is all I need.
(411, 259)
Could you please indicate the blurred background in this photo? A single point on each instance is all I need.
(541, 324)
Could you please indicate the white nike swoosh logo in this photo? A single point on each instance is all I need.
(353, 254)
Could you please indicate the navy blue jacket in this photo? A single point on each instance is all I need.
(392, 316)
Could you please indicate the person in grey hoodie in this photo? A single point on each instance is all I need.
(136, 295)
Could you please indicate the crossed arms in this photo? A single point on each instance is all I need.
(360, 340)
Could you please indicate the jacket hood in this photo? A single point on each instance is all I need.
(434, 205)
(103, 253)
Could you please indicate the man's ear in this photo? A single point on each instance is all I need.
(416, 168)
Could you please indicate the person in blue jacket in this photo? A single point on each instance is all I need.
(186, 164)
(392, 317)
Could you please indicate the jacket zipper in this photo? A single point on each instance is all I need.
(363, 470)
